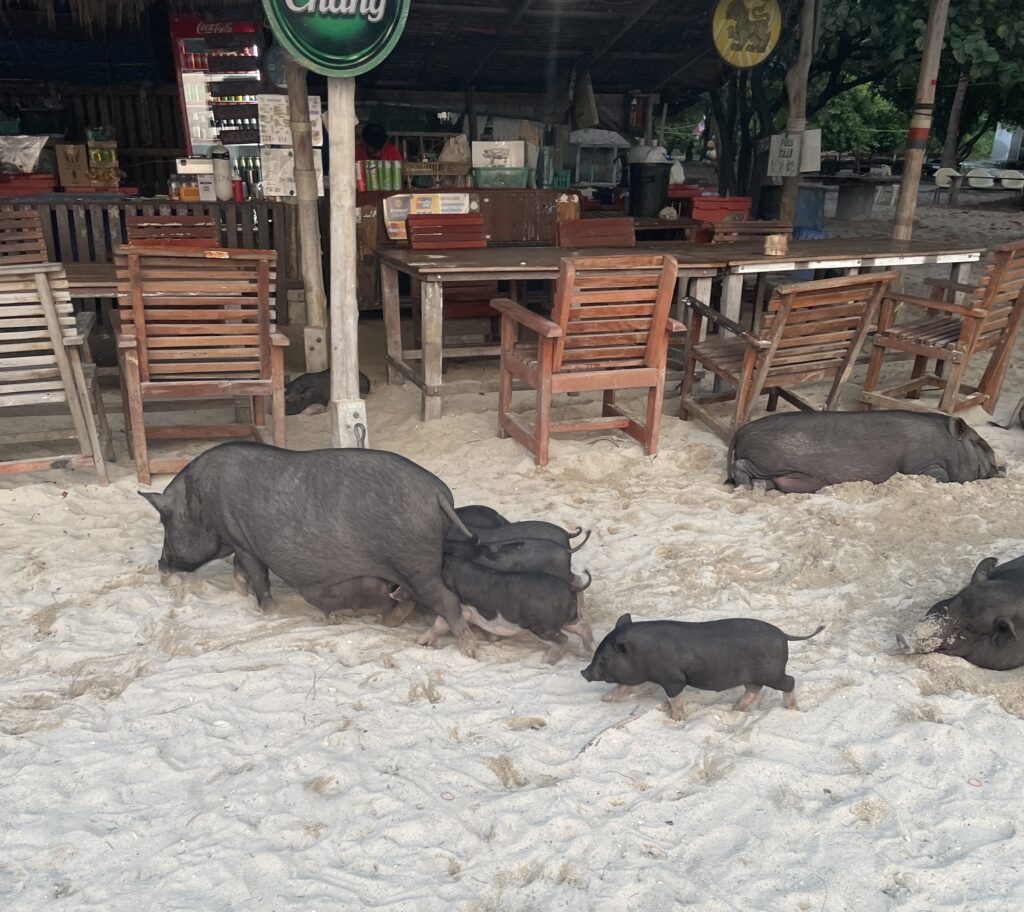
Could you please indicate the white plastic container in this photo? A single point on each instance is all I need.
(221, 172)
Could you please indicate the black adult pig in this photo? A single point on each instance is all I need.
(508, 604)
(317, 519)
(983, 623)
(800, 452)
(310, 393)
(712, 655)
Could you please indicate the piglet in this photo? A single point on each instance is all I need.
(713, 655)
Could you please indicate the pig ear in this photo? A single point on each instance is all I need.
(1003, 631)
(623, 621)
(984, 570)
(157, 501)
(958, 428)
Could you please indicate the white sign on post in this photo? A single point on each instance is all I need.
(784, 155)
(275, 125)
(810, 151)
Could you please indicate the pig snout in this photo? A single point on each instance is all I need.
(588, 673)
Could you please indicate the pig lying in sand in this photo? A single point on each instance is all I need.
(713, 655)
(309, 394)
(801, 452)
(983, 623)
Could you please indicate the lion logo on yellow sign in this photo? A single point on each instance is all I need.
(746, 31)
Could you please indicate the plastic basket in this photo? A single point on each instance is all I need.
(501, 177)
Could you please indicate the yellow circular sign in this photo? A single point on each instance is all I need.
(746, 31)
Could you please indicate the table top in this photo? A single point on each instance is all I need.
(524, 261)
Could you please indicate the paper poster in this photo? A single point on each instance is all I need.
(784, 155)
(279, 171)
(398, 208)
(275, 128)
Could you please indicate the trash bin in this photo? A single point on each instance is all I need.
(648, 188)
(810, 205)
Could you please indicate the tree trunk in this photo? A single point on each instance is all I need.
(726, 148)
(952, 144)
(796, 90)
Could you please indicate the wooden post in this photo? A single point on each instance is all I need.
(310, 250)
(796, 117)
(348, 411)
(921, 121)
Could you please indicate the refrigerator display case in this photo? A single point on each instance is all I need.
(220, 74)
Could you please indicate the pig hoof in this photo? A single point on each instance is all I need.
(467, 643)
(168, 578)
(398, 614)
(267, 606)
(554, 655)
(428, 640)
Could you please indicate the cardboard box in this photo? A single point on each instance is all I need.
(73, 166)
(509, 154)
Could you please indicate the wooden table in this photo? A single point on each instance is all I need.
(852, 255)
(515, 264)
(698, 265)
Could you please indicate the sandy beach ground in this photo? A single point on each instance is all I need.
(170, 748)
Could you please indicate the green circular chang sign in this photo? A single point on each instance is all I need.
(338, 37)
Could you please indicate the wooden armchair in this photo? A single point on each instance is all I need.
(953, 335)
(811, 333)
(579, 234)
(41, 365)
(462, 300)
(608, 331)
(21, 238)
(197, 324)
(173, 230)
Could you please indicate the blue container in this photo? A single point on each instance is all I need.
(810, 205)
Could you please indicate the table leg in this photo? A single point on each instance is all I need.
(732, 296)
(392, 319)
(431, 335)
(960, 273)
(701, 290)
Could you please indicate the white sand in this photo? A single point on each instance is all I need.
(167, 748)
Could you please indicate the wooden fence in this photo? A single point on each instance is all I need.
(86, 232)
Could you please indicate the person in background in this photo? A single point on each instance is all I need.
(375, 145)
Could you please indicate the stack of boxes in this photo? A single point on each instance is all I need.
(89, 167)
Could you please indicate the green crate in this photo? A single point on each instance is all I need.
(501, 177)
(10, 126)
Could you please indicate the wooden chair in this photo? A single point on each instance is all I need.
(608, 331)
(21, 238)
(952, 335)
(197, 324)
(462, 300)
(173, 230)
(811, 333)
(41, 364)
(579, 234)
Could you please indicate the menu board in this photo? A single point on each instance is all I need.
(275, 127)
(279, 171)
(398, 208)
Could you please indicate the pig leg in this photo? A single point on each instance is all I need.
(445, 604)
(583, 631)
(399, 612)
(556, 652)
(797, 484)
(674, 692)
(437, 630)
(256, 575)
(620, 693)
(749, 698)
(788, 687)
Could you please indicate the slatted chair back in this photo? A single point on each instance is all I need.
(813, 329)
(174, 230)
(999, 292)
(446, 232)
(579, 234)
(21, 238)
(607, 306)
(35, 318)
(198, 314)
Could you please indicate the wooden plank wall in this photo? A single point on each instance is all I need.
(146, 121)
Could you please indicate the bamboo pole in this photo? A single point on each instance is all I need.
(310, 249)
(796, 117)
(921, 121)
(348, 411)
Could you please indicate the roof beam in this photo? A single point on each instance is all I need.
(515, 14)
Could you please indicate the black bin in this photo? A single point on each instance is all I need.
(648, 188)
